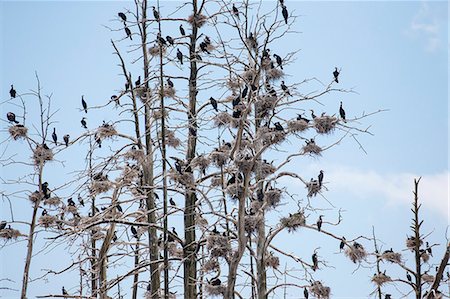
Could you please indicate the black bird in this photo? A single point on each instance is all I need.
(174, 231)
(119, 208)
(265, 53)
(204, 47)
(3, 224)
(114, 237)
(342, 244)
(169, 82)
(115, 99)
(83, 122)
(11, 117)
(315, 261)
(279, 127)
(236, 101)
(44, 187)
(285, 88)
(278, 60)
(138, 81)
(408, 277)
(80, 200)
(162, 40)
(299, 117)
(66, 139)
(172, 202)
(155, 13)
(70, 202)
(312, 114)
(285, 14)
(127, 85)
(336, 75)
(128, 32)
(213, 103)
(387, 296)
(178, 166)
(170, 40)
(12, 92)
(305, 293)
(54, 136)
(183, 33)
(320, 178)
(231, 180)
(84, 104)
(342, 113)
(235, 11)
(319, 223)
(64, 292)
(134, 232)
(122, 16)
(215, 282)
(180, 56)
(244, 92)
(44, 212)
(429, 250)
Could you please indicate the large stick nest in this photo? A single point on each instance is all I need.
(312, 149)
(219, 157)
(294, 221)
(244, 163)
(270, 136)
(169, 92)
(52, 201)
(428, 278)
(211, 265)
(201, 162)
(380, 279)
(272, 197)
(197, 20)
(218, 245)
(356, 252)
(184, 178)
(265, 105)
(171, 139)
(251, 222)
(35, 196)
(325, 124)
(274, 74)
(235, 190)
(18, 131)
(313, 188)
(106, 131)
(295, 126)
(47, 221)
(265, 169)
(222, 119)
(100, 186)
(154, 50)
(174, 250)
(393, 257)
(41, 154)
(214, 291)
(9, 234)
(135, 154)
(272, 261)
(319, 290)
(411, 243)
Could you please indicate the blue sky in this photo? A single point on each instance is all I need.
(393, 54)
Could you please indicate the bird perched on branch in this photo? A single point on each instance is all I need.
(204, 47)
(12, 92)
(170, 40)
(342, 244)
(183, 33)
(315, 262)
(64, 292)
(169, 82)
(3, 224)
(285, 14)
(235, 11)
(128, 32)
(122, 16)
(342, 113)
(66, 139)
(278, 60)
(215, 281)
(134, 232)
(54, 136)
(11, 117)
(320, 178)
(285, 88)
(336, 75)
(155, 13)
(138, 81)
(305, 293)
(162, 40)
(172, 202)
(84, 104)
(319, 223)
(180, 56)
(213, 103)
(83, 122)
(279, 127)
(44, 212)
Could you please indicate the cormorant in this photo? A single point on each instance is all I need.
(11, 117)
(114, 237)
(215, 231)
(155, 13)
(213, 103)
(178, 166)
(174, 231)
(115, 99)
(12, 92)
(235, 11)
(204, 47)
(408, 277)
(244, 92)
(128, 32)
(70, 202)
(138, 81)
(83, 122)
(169, 82)
(180, 56)
(44, 212)
(183, 33)
(265, 53)
(319, 223)
(54, 136)
(428, 248)
(215, 282)
(285, 88)
(64, 292)
(342, 113)
(312, 114)
(320, 177)
(66, 139)
(236, 101)
(172, 202)
(3, 224)
(278, 126)
(119, 208)
(80, 200)
(342, 244)
(387, 296)
(44, 187)
(231, 180)
(170, 40)
(305, 293)
(84, 104)
(285, 14)
(336, 75)
(299, 117)
(278, 60)
(315, 261)
(134, 232)
(122, 16)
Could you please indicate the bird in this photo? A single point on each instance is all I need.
(319, 223)
(178, 166)
(215, 281)
(128, 32)
(231, 180)
(83, 122)
(336, 75)
(387, 296)
(169, 82)
(342, 113)
(342, 244)
(285, 14)
(70, 202)
(429, 250)
(174, 231)
(180, 56)
(408, 277)
(11, 117)
(213, 103)
(44, 212)
(183, 33)
(134, 232)
(204, 47)
(285, 88)
(84, 104)
(278, 60)
(244, 91)
(80, 200)
(155, 13)
(320, 178)
(119, 208)
(170, 40)
(115, 99)
(162, 40)
(64, 292)
(300, 117)
(279, 127)
(265, 53)
(138, 81)
(172, 202)
(315, 261)
(66, 139)
(114, 237)
(235, 11)
(122, 16)
(305, 293)
(54, 136)
(44, 187)
(312, 114)
(3, 224)
(12, 92)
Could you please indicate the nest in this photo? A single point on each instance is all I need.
(411, 243)
(266, 63)
(251, 222)
(197, 20)
(272, 261)
(428, 278)
(293, 222)
(72, 209)
(249, 75)
(211, 265)
(9, 233)
(35, 196)
(356, 252)
(234, 84)
(222, 119)
(215, 290)
(201, 162)
(270, 136)
(154, 50)
(135, 154)
(312, 148)
(171, 295)
(200, 221)
(313, 188)
(255, 205)
(157, 114)
(18, 131)
(272, 197)
(219, 158)
(106, 131)
(297, 125)
(235, 190)
(218, 245)
(274, 74)
(319, 290)
(41, 154)
(100, 186)
(393, 257)
(380, 279)
(174, 250)
(424, 256)
(141, 92)
(52, 201)
(185, 178)
(216, 181)
(47, 221)
(129, 174)
(171, 140)
(244, 163)
(266, 169)
(265, 105)
(325, 124)
(169, 92)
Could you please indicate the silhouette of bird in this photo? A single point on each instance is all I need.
(315, 261)
(387, 296)
(299, 117)
(66, 139)
(12, 92)
(285, 14)
(174, 231)
(183, 33)
(169, 82)
(213, 103)
(244, 91)
(265, 53)
(119, 208)
(408, 277)
(342, 244)
(115, 99)
(342, 113)
(278, 60)
(180, 56)
(161, 40)
(305, 293)
(64, 292)
(204, 47)
(134, 232)
(285, 88)
(319, 223)
(320, 178)
(44, 187)
(312, 114)
(80, 200)
(428, 248)
(70, 202)
(84, 104)
(11, 117)
(170, 40)
(3, 224)
(172, 202)
(122, 16)
(235, 11)
(336, 75)
(128, 32)
(215, 282)
(138, 81)
(83, 122)
(279, 127)
(54, 136)
(155, 13)
(44, 212)
(178, 166)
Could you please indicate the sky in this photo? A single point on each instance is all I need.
(394, 55)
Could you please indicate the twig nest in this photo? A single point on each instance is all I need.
(265, 169)
(265, 105)
(272, 261)
(325, 124)
(295, 126)
(356, 252)
(216, 181)
(272, 197)
(18, 131)
(319, 290)
(312, 148)
(235, 190)
(169, 92)
(313, 188)
(218, 245)
(249, 75)
(171, 139)
(274, 74)
(47, 221)
(42, 154)
(244, 163)
(35, 196)
(213, 291)
(184, 178)
(411, 243)
(380, 279)
(157, 113)
(255, 205)
(251, 222)
(201, 162)
(424, 256)
(294, 221)
(222, 119)
(200, 221)
(211, 265)
(106, 131)
(129, 174)
(197, 20)
(174, 251)
(154, 50)
(266, 63)
(219, 157)
(428, 278)
(393, 257)
(52, 201)
(141, 93)
(171, 295)
(101, 186)
(9, 234)
(234, 84)
(135, 154)
(270, 136)
(72, 209)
